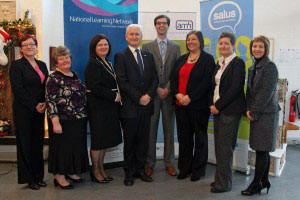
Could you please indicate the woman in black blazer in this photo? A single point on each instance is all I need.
(28, 77)
(227, 103)
(191, 83)
(104, 100)
(262, 111)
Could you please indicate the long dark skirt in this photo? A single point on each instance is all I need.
(68, 151)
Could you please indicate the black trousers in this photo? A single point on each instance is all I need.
(30, 140)
(262, 167)
(136, 139)
(192, 137)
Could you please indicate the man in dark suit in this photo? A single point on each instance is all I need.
(138, 82)
(165, 53)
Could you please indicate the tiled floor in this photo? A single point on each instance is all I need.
(164, 187)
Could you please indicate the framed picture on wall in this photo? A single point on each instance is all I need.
(52, 66)
(8, 10)
(271, 53)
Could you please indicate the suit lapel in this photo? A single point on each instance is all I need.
(156, 50)
(250, 75)
(28, 65)
(262, 62)
(169, 49)
(215, 72)
(30, 68)
(144, 57)
(133, 61)
(257, 71)
(199, 61)
(227, 69)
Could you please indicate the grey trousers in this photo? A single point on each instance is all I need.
(168, 122)
(225, 135)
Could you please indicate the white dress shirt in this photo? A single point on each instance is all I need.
(223, 64)
(135, 54)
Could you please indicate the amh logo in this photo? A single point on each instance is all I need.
(184, 25)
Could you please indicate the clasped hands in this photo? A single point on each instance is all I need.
(145, 99)
(162, 92)
(183, 99)
(41, 107)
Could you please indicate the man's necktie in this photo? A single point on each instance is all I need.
(140, 62)
(162, 49)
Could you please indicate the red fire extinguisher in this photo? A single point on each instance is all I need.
(293, 106)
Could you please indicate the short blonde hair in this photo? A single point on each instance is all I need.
(60, 51)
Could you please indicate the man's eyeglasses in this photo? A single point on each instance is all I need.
(28, 45)
(161, 23)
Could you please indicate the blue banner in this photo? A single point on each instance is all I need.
(85, 18)
(235, 16)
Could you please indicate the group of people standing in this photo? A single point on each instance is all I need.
(128, 98)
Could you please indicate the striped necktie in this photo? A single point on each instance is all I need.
(162, 49)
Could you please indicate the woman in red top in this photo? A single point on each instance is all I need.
(191, 84)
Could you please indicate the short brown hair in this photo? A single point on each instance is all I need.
(60, 51)
(262, 39)
(94, 43)
(228, 35)
(160, 17)
(26, 37)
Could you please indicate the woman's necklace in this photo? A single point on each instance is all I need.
(193, 59)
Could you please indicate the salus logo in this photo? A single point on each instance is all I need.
(225, 14)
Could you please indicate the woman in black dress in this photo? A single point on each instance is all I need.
(103, 105)
(28, 76)
(67, 118)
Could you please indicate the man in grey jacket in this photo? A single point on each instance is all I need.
(165, 53)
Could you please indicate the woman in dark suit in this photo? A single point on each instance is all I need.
(227, 103)
(28, 77)
(104, 102)
(191, 83)
(262, 111)
(67, 119)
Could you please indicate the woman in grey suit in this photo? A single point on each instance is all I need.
(227, 104)
(262, 111)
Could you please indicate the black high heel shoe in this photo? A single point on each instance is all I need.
(80, 180)
(94, 179)
(56, 183)
(109, 178)
(252, 189)
(266, 184)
